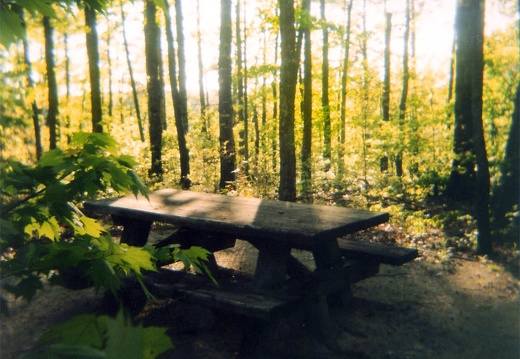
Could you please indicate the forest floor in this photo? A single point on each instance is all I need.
(445, 304)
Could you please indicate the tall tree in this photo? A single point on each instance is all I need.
(288, 79)
(155, 92)
(93, 67)
(31, 86)
(202, 97)
(225, 106)
(178, 103)
(243, 135)
(343, 104)
(325, 108)
(306, 152)
(52, 114)
(506, 195)
(132, 80)
(469, 177)
(385, 96)
(183, 93)
(404, 93)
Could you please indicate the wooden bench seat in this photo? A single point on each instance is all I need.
(381, 253)
(229, 296)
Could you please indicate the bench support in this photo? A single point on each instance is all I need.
(135, 231)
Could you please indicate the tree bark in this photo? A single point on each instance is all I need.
(52, 112)
(325, 107)
(31, 86)
(288, 79)
(385, 97)
(152, 51)
(506, 194)
(93, 67)
(461, 184)
(404, 94)
(227, 143)
(132, 80)
(179, 105)
(183, 94)
(306, 152)
(202, 97)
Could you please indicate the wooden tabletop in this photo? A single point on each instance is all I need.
(247, 218)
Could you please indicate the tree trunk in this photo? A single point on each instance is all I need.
(183, 94)
(67, 85)
(225, 107)
(288, 79)
(110, 93)
(325, 89)
(132, 80)
(306, 152)
(343, 105)
(93, 67)
(404, 94)
(385, 97)
(179, 106)
(202, 97)
(31, 85)
(152, 52)
(462, 181)
(52, 113)
(506, 194)
(242, 135)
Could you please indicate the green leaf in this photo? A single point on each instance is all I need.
(138, 259)
(123, 340)
(87, 329)
(43, 7)
(155, 342)
(10, 27)
(91, 226)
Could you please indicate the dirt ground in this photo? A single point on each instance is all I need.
(445, 304)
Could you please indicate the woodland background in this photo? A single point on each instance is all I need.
(364, 113)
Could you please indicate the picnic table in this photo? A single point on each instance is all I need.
(274, 228)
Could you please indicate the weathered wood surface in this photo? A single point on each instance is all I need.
(382, 253)
(299, 225)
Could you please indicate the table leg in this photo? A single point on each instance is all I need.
(135, 231)
(271, 265)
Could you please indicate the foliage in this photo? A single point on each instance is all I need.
(90, 336)
(45, 237)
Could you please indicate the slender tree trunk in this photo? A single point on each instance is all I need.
(306, 152)
(246, 114)
(31, 86)
(52, 113)
(364, 52)
(288, 79)
(132, 80)
(178, 103)
(404, 94)
(242, 136)
(227, 143)
(274, 142)
(67, 85)
(327, 142)
(506, 194)
(343, 105)
(385, 97)
(152, 51)
(202, 98)
(93, 66)
(110, 92)
(183, 93)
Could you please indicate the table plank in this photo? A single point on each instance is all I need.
(302, 225)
